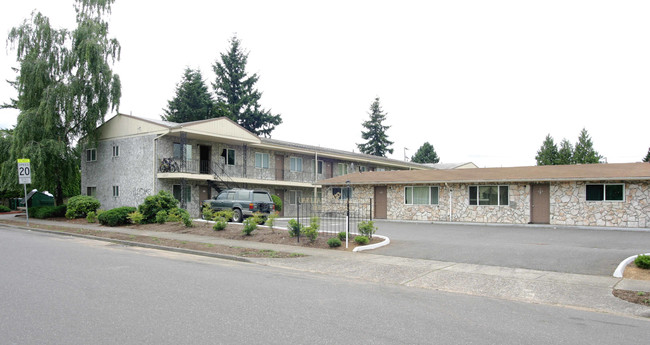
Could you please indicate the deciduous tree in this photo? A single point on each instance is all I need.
(425, 154)
(65, 87)
(377, 141)
(236, 92)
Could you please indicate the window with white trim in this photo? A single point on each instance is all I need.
(261, 160)
(116, 191)
(605, 192)
(420, 195)
(116, 151)
(176, 191)
(342, 193)
(91, 155)
(294, 196)
(91, 191)
(187, 154)
(319, 167)
(295, 164)
(343, 169)
(488, 195)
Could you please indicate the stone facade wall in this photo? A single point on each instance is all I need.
(131, 171)
(570, 207)
(516, 212)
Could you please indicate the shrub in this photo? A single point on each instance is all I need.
(367, 228)
(270, 220)
(4, 208)
(362, 240)
(277, 202)
(116, 216)
(334, 242)
(219, 224)
(259, 218)
(227, 214)
(342, 235)
(80, 205)
(249, 226)
(42, 212)
(207, 212)
(161, 217)
(91, 217)
(312, 230)
(180, 215)
(642, 261)
(163, 201)
(135, 217)
(294, 227)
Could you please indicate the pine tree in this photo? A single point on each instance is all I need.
(65, 87)
(584, 152)
(547, 154)
(377, 141)
(426, 154)
(565, 153)
(192, 102)
(237, 95)
(647, 157)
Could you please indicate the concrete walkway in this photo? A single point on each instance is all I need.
(532, 286)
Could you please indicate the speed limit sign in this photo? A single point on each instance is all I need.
(24, 172)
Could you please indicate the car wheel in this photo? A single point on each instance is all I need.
(237, 216)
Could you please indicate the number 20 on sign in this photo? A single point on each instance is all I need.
(24, 172)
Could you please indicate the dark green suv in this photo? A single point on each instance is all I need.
(243, 202)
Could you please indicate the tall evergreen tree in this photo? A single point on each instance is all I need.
(647, 157)
(192, 102)
(565, 153)
(584, 152)
(547, 154)
(65, 87)
(426, 154)
(377, 141)
(237, 94)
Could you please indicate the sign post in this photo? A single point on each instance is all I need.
(24, 178)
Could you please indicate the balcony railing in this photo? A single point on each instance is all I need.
(172, 165)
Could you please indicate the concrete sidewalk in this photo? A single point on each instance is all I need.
(531, 286)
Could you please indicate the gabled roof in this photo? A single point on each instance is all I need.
(549, 173)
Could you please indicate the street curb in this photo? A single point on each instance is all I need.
(618, 273)
(138, 244)
(385, 242)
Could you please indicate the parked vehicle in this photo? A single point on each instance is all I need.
(243, 202)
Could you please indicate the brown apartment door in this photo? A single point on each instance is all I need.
(540, 203)
(381, 204)
(204, 194)
(279, 168)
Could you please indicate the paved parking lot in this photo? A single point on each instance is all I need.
(559, 249)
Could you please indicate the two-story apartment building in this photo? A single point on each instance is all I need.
(136, 157)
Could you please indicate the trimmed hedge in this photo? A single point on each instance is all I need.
(80, 205)
(163, 201)
(116, 216)
(642, 261)
(43, 212)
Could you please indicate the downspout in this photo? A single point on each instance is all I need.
(450, 191)
(315, 176)
(155, 146)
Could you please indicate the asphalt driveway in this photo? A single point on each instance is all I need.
(559, 249)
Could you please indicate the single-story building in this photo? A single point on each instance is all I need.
(614, 195)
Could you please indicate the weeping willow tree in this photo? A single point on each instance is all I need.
(65, 87)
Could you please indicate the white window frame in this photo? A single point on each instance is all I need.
(91, 155)
(429, 197)
(605, 192)
(188, 152)
(234, 157)
(295, 164)
(116, 151)
(261, 160)
(91, 191)
(478, 192)
(317, 167)
(116, 191)
(188, 192)
(343, 169)
(294, 196)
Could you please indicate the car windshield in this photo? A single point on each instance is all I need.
(261, 196)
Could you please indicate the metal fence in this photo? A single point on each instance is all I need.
(334, 217)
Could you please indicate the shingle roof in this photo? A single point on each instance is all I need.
(583, 172)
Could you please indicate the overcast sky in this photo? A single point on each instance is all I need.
(482, 81)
